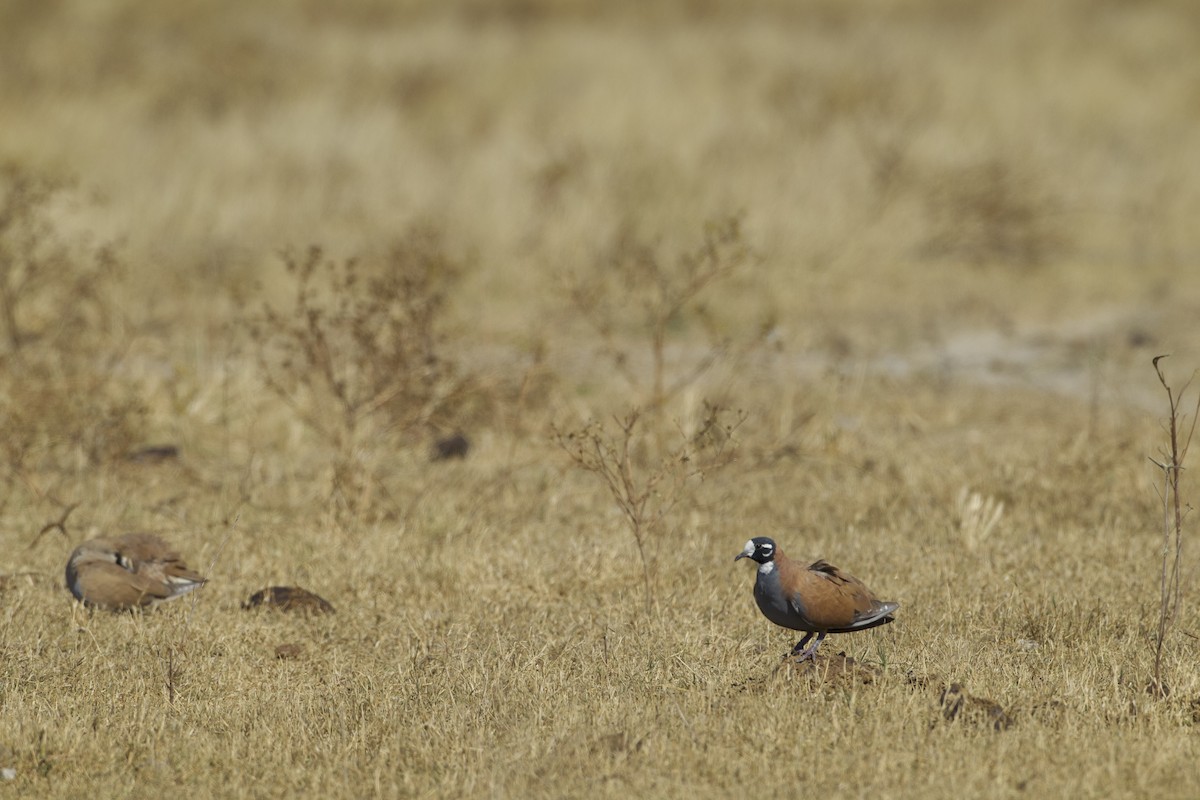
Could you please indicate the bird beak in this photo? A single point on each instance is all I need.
(739, 556)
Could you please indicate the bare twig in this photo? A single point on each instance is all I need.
(646, 495)
(1174, 512)
(59, 524)
(170, 675)
(636, 288)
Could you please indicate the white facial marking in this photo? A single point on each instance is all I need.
(748, 550)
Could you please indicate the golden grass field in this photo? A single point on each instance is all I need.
(918, 254)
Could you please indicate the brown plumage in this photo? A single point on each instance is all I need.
(816, 598)
(138, 569)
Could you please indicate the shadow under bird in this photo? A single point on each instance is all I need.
(816, 598)
(130, 571)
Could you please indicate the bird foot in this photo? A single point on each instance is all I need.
(802, 653)
(807, 654)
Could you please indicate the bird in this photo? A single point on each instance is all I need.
(131, 571)
(817, 598)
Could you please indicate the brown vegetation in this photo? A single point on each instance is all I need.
(926, 250)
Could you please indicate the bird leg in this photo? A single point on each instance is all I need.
(800, 644)
(809, 653)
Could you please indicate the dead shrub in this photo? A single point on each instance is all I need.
(644, 482)
(993, 213)
(358, 355)
(61, 404)
(635, 299)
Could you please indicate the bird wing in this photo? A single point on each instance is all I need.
(111, 586)
(833, 599)
(148, 555)
(144, 547)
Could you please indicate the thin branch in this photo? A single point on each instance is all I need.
(1170, 570)
(59, 524)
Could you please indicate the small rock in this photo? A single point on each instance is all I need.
(288, 650)
(154, 455)
(455, 446)
(289, 598)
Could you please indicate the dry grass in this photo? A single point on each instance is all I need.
(972, 226)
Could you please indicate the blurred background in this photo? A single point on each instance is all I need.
(902, 168)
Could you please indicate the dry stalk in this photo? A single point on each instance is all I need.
(1174, 511)
(646, 494)
(977, 516)
(636, 286)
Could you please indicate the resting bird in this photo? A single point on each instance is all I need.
(817, 598)
(131, 571)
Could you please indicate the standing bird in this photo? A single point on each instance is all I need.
(138, 569)
(818, 598)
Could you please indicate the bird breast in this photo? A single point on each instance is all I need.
(773, 601)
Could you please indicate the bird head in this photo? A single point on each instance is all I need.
(760, 549)
(96, 551)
